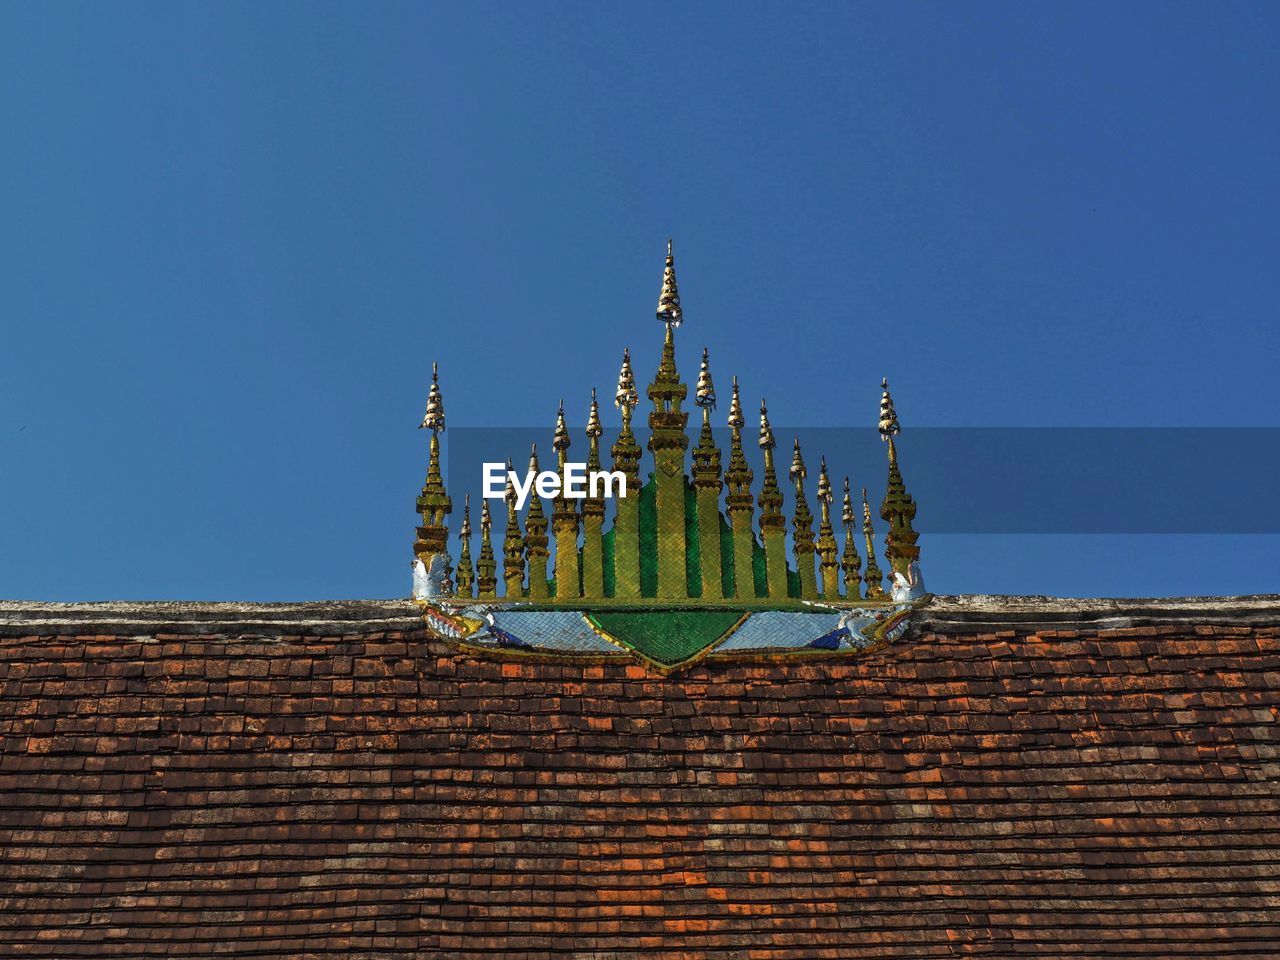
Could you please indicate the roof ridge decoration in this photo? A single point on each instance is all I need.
(677, 577)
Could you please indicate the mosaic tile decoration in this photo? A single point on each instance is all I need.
(667, 639)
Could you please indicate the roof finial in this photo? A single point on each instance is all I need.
(434, 418)
(802, 528)
(898, 508)
(850, 562)
(766, 431)
(560, 442)
(798, 471)
(594, 430)
(510, 495)
(626, 396)
(705, 395)
(535, 537)
(824, 482)
(513, 543)
(706, 455)
(433, 503)
(464, 531)
(873, 577)
(828, 549)
(888, 417)
(486, 566)
(669, 297)
(464, 576)
(735, 408)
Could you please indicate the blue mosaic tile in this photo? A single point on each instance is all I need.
(781, 629)
(550, 630)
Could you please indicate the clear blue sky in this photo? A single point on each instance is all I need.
(234, 236)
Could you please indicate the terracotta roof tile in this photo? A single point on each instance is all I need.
(1041, 792)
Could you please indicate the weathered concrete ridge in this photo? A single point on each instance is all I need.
(341, 617)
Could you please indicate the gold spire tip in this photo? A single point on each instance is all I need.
(626, 395)
(433, 419)
(766, 431)
(735, 408)
(798, 471)
(705, 395)
(888, 416)
(669, 296)
(594, 430)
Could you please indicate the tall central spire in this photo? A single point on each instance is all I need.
(668, 443)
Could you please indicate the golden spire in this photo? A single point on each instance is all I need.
(669, 297)
(564, 520)
(594, 432)
(667, 421)
(464, 578)
(828, 552)
(797, 472)
(850, 563)
(560, 442)
(593, 506)
(433, 420)
(626, 460)
(875, 589)
(770, 498)
(668, 443)
(626, 397)
(666, 382)
(513, 543)
(773, 526)
(735, 408)
(535, 535)
(802, 525)
(824, 486)
(486, 566)
(738, 477)
(705, 394)
(898, 508)
(739, 502)
(433, 503)
(888, 417)
(706, 456)
(625, 450)
(766, 431)
(535, 539)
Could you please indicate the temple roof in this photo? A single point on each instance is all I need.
(1016, 776)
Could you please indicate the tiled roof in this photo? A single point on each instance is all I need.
(329, 781)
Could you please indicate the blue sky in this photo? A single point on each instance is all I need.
(234, 237)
